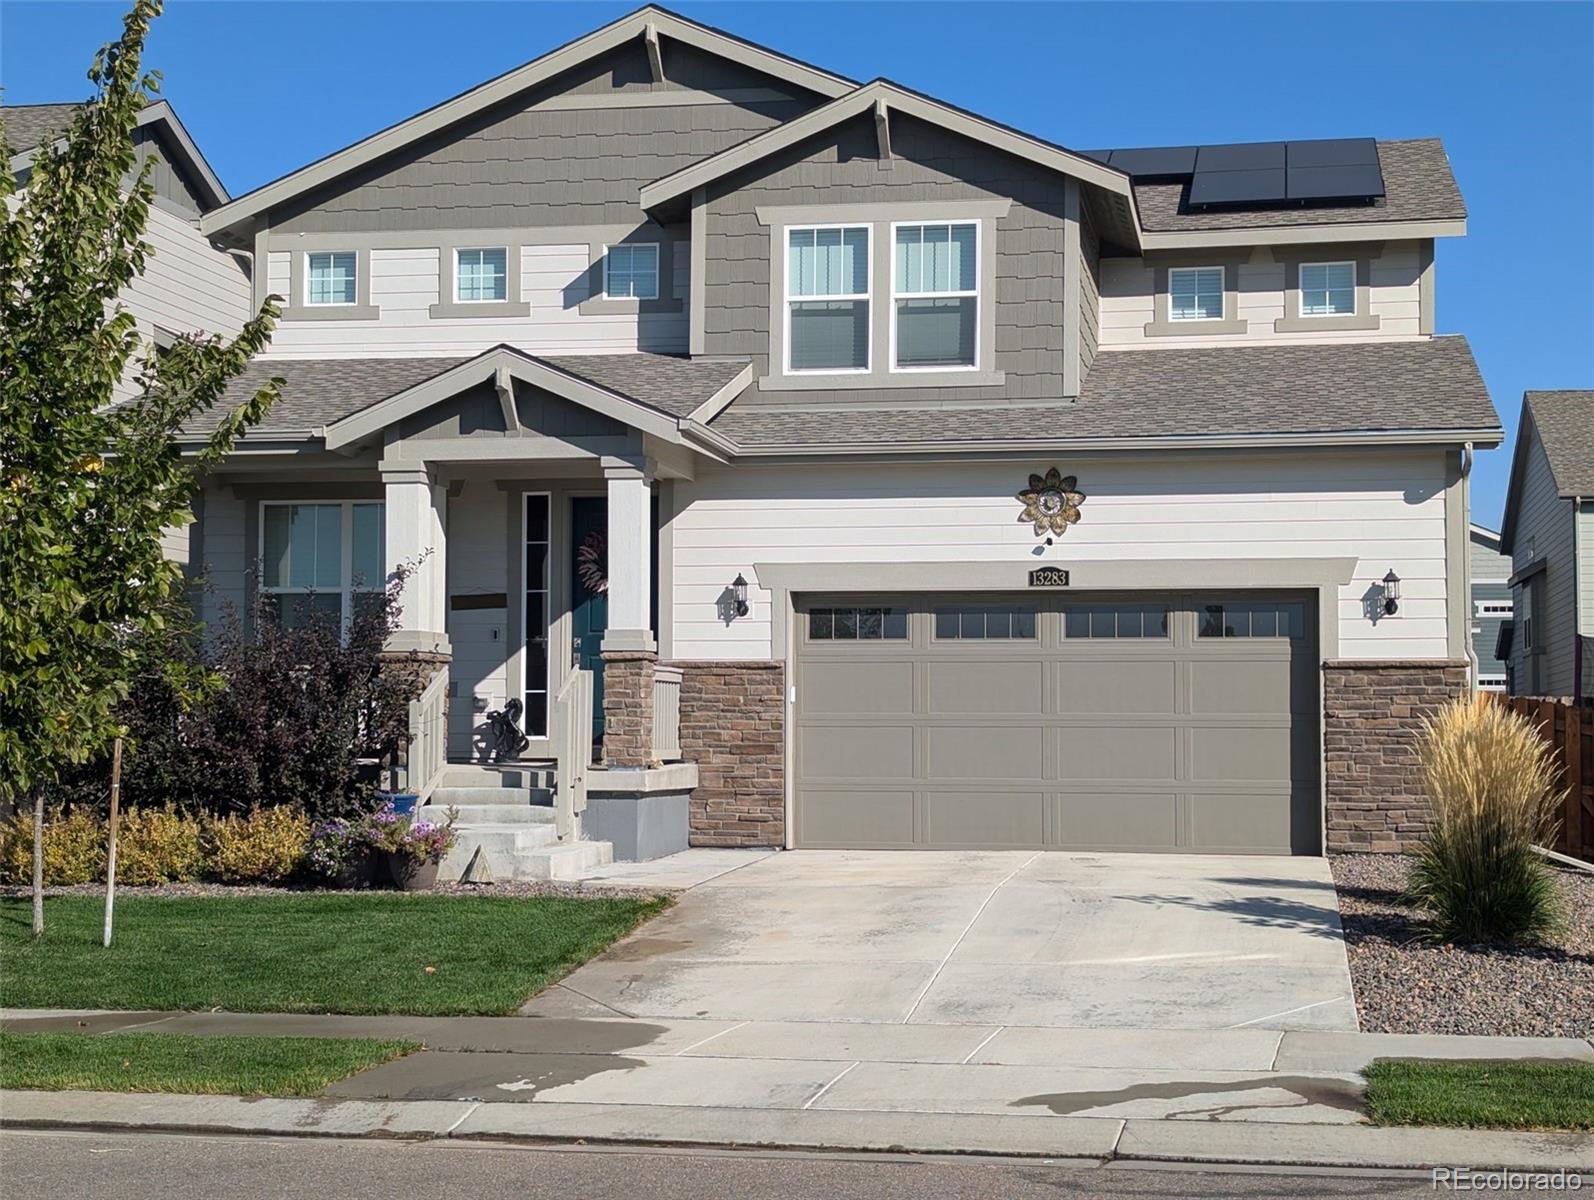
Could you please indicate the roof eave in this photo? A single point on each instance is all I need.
(1285, 235)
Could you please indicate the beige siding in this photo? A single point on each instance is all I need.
(1544, 530)
(1585, 568)
(1383, 509)
(1127, 302)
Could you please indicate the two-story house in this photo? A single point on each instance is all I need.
(1490, 572)
(1548, 532)
(913, 480)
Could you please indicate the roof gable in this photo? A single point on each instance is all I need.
(1559, 427)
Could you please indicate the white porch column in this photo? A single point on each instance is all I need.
(415, 517)
(630, 557)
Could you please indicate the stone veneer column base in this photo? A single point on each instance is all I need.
(733, 726)
(628, 707)
(1372, 718)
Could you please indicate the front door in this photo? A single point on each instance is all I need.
(589, 609)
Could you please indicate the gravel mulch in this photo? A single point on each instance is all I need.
(1407, 983)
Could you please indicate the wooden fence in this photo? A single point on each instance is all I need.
(1570, 732)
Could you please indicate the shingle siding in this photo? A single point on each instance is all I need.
(1089, 294)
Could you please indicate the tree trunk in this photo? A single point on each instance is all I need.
(38, 862)
(110, 852)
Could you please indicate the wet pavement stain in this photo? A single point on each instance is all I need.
(637, 949)
(1311, 1090)
(444, 1075)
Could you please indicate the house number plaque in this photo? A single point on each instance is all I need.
(1048, 577)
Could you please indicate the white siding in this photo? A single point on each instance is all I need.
(1383, 509)
(554, 281)
(1585, 568)
(478, 563)
(1127, 302)
(1544, 530)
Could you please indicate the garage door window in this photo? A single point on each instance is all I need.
(857, 624)
(985, 622)
(1266, 619)
(1116, 621)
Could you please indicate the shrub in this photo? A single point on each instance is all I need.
(74, 848)
(267, 846)
(1491, 786)
(157, 845)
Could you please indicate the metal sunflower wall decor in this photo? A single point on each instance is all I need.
(1051, 502)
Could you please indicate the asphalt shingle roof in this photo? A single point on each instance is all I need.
(1312, 389)
(673, 385)
(1565, 421)
(1418, 186)
(30, 125)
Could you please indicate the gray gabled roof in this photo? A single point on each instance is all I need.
(1565, 421)
(678, 386)
(1427, 390)
(30, 125)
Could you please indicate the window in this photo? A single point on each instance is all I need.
(1491, 683)
(1494, 608)
(827, 299)
(984, 622)
(1526, 636)
(935, 295)
(1116, 621)
(1195, 294)
(857, 624)
(317, 560)
(631, 272)
(1256, 619)
(331, 277)
(481, 276)
(1328, 289)
(535, 691)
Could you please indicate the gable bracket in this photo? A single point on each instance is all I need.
(882, 131)
(650, 35)
(504, 385)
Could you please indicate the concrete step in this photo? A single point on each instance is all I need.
(522, 852)
(496, 796)
(563, 861)
(491, 814)
(511, 775)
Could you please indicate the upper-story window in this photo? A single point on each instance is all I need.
(631, 272)
(935, 296)
(1195, 293)
(481, 276)
(827, 298)
(331, 277)
(1328, 289)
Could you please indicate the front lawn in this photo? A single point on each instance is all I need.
(380, 953)
(175, 1062)
(1538, 1094)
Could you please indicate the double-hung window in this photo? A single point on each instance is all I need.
(1328, 289)
(481, 276)
(318, 560)
(631, 272)
(827, 298)
(935, 296)
(331, 277)
(1195, 293)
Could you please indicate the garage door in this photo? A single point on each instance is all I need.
(1141, 722)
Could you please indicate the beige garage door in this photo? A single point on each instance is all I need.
(1140, 722)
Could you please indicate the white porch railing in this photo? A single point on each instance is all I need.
(572, 739)
(427, 753)
(667, 713)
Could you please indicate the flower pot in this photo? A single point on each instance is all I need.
(413, 874)
(359, 871)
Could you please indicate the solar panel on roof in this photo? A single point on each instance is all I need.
(1247, 156)
(1156, 160)
(1332, 152)
(1237, 187)
(1351, 181)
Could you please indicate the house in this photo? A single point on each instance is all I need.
(187, 285)
(1549, 533)
(895, 477)
(1491, 606)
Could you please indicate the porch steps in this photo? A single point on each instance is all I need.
(505, 812)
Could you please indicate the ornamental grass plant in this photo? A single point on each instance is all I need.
(1493, 791)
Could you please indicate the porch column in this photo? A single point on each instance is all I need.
(629, 651)
(415, 508)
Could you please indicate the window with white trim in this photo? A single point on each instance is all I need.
(935, 296)
(481, 276)
(631, 272)
(1195, 293)
(1328, 289)
(827, 298)
(1495, 608)
(318, 560)
(331, 277)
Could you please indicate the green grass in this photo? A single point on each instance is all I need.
(1537, 1094)
(175, 1062)
(391, 953)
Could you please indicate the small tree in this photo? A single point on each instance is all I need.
(87, 484)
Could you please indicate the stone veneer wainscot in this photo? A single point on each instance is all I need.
(733, 726)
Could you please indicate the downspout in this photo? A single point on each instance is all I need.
(1466, 562)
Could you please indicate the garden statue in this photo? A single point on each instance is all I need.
(508, 741)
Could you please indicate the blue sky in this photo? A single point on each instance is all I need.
(267, 87)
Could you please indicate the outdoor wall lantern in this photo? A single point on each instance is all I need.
(1391, 592)
(739, 590)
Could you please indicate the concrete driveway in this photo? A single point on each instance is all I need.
(999, 939)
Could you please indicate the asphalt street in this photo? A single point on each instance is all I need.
(93, 1166)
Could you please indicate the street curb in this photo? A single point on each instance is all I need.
(1058, 1137)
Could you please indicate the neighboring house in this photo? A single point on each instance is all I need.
(1491, 606)
(942, 486)
(187, 285)
(1549, 533)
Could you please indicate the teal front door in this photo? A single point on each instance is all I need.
(589, 609)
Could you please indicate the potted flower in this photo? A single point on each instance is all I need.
(415, 848)
(342, 852)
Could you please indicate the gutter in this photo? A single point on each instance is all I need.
(1473, 666)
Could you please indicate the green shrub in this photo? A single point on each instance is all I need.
(157, 845)
(74, 848)
(1491, 786)
(267, 846)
